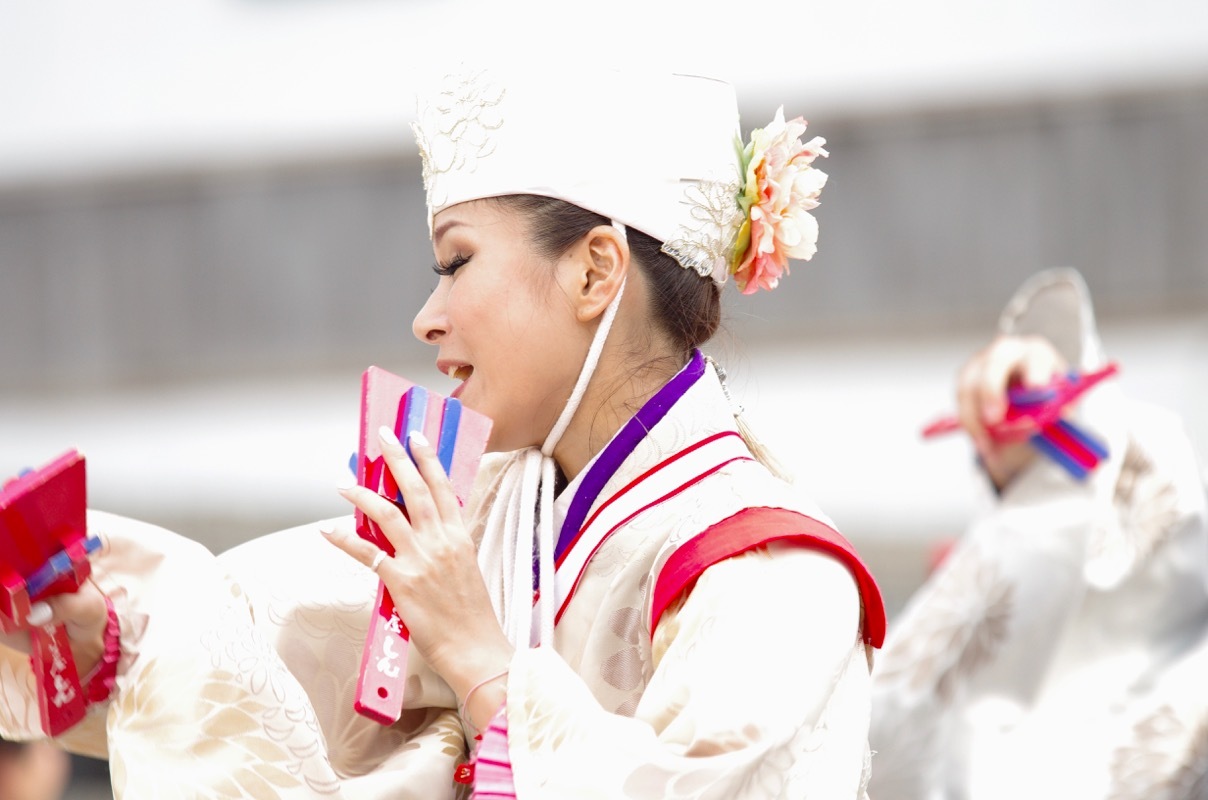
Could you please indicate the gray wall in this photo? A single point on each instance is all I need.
(931, 219)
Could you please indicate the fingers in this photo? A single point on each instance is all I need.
(421, 479)
(421, 508)
(1041, 362)
(40, 613)
(1000, 365)
(384, 512)
(361, 550)
(985, 380)
(969, 405)
(83, 611)
(982, 398)
(435, 478)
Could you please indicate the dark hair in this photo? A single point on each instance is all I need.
(686, 307)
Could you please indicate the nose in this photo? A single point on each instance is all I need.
(431, 323)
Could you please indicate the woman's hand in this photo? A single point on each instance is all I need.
(85, 616)
(1008, 361)
(433, 576)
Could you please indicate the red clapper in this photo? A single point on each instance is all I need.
(1035, 414)
(44, 543)
(460, 437)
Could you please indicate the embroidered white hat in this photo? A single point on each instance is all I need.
(658, 153)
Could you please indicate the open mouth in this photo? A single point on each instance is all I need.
(460, 373)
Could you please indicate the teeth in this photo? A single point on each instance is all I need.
(453, 373)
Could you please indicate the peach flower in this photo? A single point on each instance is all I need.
(780, 188)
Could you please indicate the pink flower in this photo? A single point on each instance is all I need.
(780, 188)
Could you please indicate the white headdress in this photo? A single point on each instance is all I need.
(655, 153)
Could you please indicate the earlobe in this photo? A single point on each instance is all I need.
(605, 262)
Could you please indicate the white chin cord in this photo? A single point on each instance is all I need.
(521, 523)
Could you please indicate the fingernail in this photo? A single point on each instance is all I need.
(39, 613)
(417, 437)
(386, 434)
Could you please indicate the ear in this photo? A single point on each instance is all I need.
(597, 266)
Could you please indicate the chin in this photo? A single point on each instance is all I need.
(505, 439)
(503, 443)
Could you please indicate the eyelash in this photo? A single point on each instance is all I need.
(449, 267)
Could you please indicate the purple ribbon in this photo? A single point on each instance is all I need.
(624, 443)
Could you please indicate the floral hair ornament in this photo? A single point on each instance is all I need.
(779, 189)
(720, 208)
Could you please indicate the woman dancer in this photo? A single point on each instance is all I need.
(631, 605)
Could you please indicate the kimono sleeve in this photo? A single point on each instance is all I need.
(227, 690)
(759, 689)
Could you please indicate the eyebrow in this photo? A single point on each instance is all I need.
(443, 228)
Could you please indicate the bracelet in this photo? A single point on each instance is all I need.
(462, 709)
(98, 684)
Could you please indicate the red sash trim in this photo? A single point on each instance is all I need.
(751, 528)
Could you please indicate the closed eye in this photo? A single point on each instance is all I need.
(444, 268)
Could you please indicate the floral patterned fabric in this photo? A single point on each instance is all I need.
(1060, 649)
(238, 672)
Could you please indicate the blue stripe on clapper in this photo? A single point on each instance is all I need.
(413, 411)
(447, 442)
(57, 565)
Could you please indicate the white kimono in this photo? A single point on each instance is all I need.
(1060, 650)
(238, 673)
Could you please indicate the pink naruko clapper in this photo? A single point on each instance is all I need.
(460, 438)
(44, 549)
(1031, 410)
(1035, 414)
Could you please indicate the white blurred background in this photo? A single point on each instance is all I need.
(211, 220)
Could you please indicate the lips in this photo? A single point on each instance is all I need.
(458, 372)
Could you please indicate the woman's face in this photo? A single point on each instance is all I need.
(504, 326)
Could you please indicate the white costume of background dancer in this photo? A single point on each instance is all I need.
(1060, 650)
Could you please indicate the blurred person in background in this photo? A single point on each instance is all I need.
(33, 770)
(1059, 650)
(638, 635)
